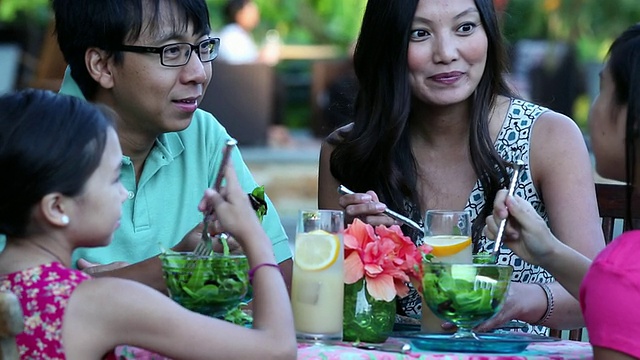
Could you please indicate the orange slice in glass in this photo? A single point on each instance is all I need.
(447, 245)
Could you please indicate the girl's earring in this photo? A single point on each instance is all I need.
(65, 219)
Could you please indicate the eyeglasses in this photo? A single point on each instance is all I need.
(178, 54)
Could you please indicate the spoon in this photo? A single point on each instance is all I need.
(397, 347)
(517, 166)
(392, 214)
(390, 346)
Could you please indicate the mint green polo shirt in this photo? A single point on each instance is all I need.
(162, 207)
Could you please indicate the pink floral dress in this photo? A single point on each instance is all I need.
(44, 292)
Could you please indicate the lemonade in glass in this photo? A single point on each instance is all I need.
(317, 288)
(448, 232)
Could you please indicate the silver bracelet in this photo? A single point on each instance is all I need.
(549, 312)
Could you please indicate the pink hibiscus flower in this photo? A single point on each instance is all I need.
(384, 256)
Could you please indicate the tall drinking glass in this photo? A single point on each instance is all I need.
(317, 289)
(449, 233)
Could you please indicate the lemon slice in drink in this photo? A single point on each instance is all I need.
(316, 250)
(447, 245)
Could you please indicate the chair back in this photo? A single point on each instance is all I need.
(333, 89)
(241, 97)
(11, 324)
(612, 205)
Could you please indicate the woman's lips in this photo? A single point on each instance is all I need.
(447, 78)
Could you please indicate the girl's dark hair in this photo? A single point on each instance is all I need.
(376, 154)
(48, 143)
(624, 65)
(107, 24)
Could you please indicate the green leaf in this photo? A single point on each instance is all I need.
(196, 280)
(258, 202)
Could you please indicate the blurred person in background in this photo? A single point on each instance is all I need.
(238, 46)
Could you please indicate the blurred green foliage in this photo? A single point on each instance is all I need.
(589, 24)
(34, 11)
(334, 22)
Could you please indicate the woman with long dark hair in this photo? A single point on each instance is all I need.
(436, 127)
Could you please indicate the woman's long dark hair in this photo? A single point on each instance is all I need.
(375, 154)
(624, 65)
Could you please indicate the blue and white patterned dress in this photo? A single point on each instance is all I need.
(513, 142)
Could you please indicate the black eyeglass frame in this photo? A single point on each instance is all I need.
(160, 50)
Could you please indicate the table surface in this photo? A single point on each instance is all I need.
(560, 350)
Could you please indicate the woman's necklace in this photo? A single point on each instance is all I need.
(50, 253)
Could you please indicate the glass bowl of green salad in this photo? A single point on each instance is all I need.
(465, 294)
(211, 285)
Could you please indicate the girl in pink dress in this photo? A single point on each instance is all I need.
(609, 287)
(60, 190)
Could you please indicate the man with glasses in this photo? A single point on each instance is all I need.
(136, 57)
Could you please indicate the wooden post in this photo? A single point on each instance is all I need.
(51, 63)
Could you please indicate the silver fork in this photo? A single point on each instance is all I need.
(484, 282)
(205, 246)
(517, 166)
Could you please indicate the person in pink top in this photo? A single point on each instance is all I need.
(608, 288)
(60, 189)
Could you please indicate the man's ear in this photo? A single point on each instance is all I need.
(98, 64)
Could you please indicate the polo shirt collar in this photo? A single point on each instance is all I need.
(69, 86)
(170, 145)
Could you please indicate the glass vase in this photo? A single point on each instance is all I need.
(365, 318)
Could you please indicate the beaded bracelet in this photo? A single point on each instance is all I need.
(550, 303)
(255, 268)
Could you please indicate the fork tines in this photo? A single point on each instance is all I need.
(204, 247)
